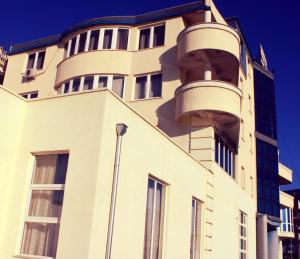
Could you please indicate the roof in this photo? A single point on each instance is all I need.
(113, 20)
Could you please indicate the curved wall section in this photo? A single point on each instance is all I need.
(94, 62)
(218, 100)
(208, 36)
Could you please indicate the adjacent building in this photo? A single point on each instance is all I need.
(149, 136)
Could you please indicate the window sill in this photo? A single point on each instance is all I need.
(146, 99)
(25, 256)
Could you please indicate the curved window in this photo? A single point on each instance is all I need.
(104, 38)
(90, 82)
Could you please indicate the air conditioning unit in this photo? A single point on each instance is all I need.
(30, 73)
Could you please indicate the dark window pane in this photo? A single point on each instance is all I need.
(159, 36)
(76, 85)
(140, 87)
(144, 39)
(67, 87)
(107, 40)
(122, 39)
(88, 83)
(94, 40)
(34, 95)
(40, 60)
(82, 41)
(102, 83)
(73, 44)
(156, 85)
(31, 59)
(118, 85)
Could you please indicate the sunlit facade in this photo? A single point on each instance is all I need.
(131, 137)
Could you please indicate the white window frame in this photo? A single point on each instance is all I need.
(29, 95)
(151, 27)
(148, 86)
(243, 237)
(35, 60)
(198, 203)
(289, 219)
(34, 219)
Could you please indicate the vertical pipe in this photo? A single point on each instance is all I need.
(120, 130)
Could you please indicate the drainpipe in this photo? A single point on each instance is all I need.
(120, 130)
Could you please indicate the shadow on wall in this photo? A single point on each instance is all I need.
(169, 66)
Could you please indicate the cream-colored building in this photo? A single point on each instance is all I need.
(179, 182)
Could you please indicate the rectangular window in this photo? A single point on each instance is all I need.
(88, 83)
(286, 216)
(107, 40)
(31, 95)
(118, 85)
(41, 227)
(102, 83)
(148, 86)
(154, 220)
(36, 60)
(76, 84)
(66, 87)
(144, 42)
(159, 36)
(122, 39)
(243, 235)
(140, 87)
(94, 40)
(73, 45)
(196, 230)
(82, 42)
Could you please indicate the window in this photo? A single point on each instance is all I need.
(31, 95)
(107, 40)
(82, 41)
(286, 216)
(88, 83)
(224, 156)
(94, 40)
(84, 83)
(196, 230)
(243, 235)
(148, 86)
(152, 37)
(36, 60)
(154, 220)
(41, 227)
(72, 48)
(122, 39)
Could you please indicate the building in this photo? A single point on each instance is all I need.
(139, 127)
(3, 60)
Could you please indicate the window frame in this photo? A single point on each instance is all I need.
(36, 55)
(151, 36)
(39, 219)
(29, 95)
(148, 86)
(243, 237)
(199, 205)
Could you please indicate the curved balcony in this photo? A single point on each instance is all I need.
(94, 62)
(193, 41)
(214, 100)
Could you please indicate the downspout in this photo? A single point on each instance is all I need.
(120, 130)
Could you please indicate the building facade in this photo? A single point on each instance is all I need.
(137, 128)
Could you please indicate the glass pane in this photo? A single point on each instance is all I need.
(198, 230)
(40, 239)
(72, 49)
(216, 148)
(67, 87)
(65, 50)
(122, 39)
(140, 87)
(40, 60)
(76, 84)
(33, 95)
(118, 85)
(149, 217)
(144, 38)
(102, 81)
(31, 59)
(156, 83)
(159, 36)
(94, 39)
(107, 40)
(88, 83)
(46, 203)
(50, 169)
(82, 40)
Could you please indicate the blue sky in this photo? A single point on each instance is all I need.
(272, 23)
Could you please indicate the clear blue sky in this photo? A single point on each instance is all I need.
(273, 23)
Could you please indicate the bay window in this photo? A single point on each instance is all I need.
(41, 226)
(154, 219)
